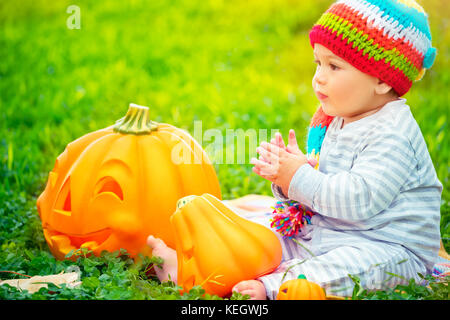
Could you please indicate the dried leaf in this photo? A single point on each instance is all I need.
(33, 284)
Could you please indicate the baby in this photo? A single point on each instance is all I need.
(374, 193)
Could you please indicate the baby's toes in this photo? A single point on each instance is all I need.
(240, 286)
(155, 243)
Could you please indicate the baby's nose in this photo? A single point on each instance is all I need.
(319, 78)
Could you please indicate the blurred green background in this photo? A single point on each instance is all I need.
(231, 64)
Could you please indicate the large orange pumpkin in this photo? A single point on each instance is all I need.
(216, 248)
(113, 187)
(300, 289)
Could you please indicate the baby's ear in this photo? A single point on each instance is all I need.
(382, 87)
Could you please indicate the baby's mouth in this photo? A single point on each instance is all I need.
(321, 96)
(66, 242)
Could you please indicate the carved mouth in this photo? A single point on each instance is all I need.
(66, 242)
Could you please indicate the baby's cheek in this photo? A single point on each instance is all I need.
(342, 89)
(336, 99)
(347, 92)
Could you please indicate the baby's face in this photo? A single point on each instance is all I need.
(342, 89)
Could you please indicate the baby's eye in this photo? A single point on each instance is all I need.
(334, 67)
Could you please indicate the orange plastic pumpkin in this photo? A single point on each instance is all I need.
(300, 289)
(216, 248)
(113, 187)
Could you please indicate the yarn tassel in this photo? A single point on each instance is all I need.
(289, 217)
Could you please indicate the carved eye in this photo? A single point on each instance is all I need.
(110, 185)
(63, 204)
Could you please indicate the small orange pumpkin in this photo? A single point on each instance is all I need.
(216, 248)
(113, 187)
(300, 289)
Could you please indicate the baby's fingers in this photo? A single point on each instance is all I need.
(279, 140)
(262, 168)
(292, 140)
(256, 170)
(263, 159)
(292, 146)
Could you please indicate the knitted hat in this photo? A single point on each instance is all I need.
(388, 39)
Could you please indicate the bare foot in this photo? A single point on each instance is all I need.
(170, 265)
(254, 288)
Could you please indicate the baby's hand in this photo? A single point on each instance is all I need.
(280, 165)
(277, 141)
(254, 288)
(292, 146)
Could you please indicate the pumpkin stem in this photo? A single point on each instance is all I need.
(301, 276)
(136, 121)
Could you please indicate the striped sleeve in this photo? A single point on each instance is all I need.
(278, 193)
(375, 179)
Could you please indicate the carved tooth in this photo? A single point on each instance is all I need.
(63, 212)
(90, 244)
(62, 242)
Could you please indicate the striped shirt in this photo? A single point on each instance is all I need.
(376, 181)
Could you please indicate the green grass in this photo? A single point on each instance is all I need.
(231, 64)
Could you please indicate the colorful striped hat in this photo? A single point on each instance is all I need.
(388, 39)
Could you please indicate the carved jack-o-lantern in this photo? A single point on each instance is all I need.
(113, 187)
(216, 248)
